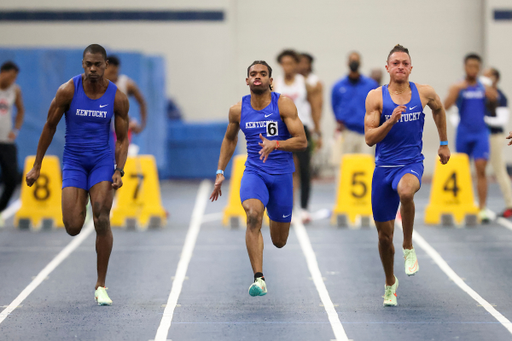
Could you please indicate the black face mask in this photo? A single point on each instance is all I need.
(354, 66)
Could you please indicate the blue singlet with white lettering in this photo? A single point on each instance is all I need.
(471, 105)
(268, 123)
(404, 142)
(88, 120)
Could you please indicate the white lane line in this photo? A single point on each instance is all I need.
(186, 255)
(418, 240)
(212, 217)
(11, 210)
(48, 270)
(314, 270)
(505, 223)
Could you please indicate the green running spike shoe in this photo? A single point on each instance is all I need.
(101, 296)
(411, 262)
(258, 288)
(390, 294)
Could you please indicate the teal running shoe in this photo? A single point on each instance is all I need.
(390, 294)
(258, 288)
(101, 296)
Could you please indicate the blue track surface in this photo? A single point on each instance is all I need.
(214, 303)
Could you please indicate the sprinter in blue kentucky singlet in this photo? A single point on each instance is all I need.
(472, 138)
(394, 121)
(273, 131)
(89, 102)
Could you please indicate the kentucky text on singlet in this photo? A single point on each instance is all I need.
(88, 120)
(268, 123)
(404, 142)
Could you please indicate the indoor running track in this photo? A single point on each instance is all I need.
(189, 280)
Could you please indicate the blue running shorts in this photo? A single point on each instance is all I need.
(275, 191)
(86, 170)
(385, 199)
(475, 145)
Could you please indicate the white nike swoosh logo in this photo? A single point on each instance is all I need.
(286, 216)
(102, 106)
(412, 107)
(415, 172)
(268, 115)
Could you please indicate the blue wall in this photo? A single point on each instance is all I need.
(44, 70)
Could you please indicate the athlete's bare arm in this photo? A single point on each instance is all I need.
(453, 94)
(58, 106)
(228, 147)
(133, 90)
(20, 114)
(290, 117)
(315, 96)
(374, 132)
(430, 97)
(121, 107)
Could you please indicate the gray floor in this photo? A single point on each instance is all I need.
(214, 303)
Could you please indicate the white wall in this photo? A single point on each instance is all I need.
(206, 62)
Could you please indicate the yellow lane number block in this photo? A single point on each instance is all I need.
(451, 196)
(138, 203)
(234, 213)
(41, 203)
(353, 195)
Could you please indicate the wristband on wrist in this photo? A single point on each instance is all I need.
(444, 143)
(120, 171)
(220, 171)
(277, 145)
(16, 131)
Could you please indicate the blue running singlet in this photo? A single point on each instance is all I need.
(404, 142)
(268, 123)
(88, 157)
(472, 109)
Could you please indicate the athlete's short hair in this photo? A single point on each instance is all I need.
(309, 57)
(113, 60)
(289, 53)
(398, 48)
(95, 48)
(261, 62)
(472, 56)
(8, 66)
(495, 73)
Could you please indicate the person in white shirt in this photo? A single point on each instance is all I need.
(496, 118)
(10, 96)
(293, 85)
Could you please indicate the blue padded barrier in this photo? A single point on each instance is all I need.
(193, 149)
(42, 71)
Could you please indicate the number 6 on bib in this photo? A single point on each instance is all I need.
(272, 129)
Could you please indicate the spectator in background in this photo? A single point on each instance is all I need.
(471, 97)
(376, 75)
(348, 104)
(10, 96)
(497, 118)
(293, 85)
(316, 100)
(128, 86)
